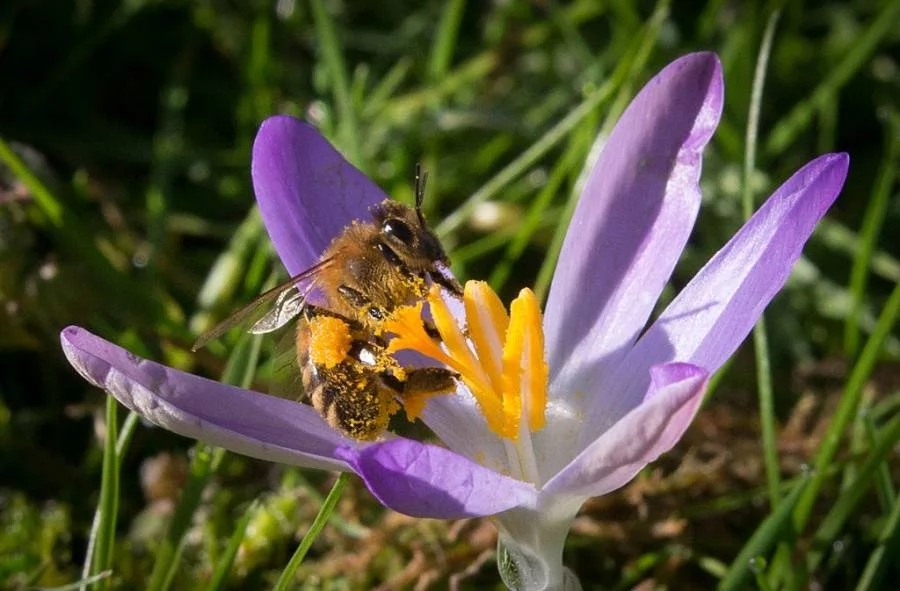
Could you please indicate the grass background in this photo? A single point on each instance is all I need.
(125, 206)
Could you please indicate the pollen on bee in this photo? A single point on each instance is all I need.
(330, 340)
(501, 360)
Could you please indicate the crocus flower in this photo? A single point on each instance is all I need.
(592, 394)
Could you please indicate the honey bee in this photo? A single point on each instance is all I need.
(367, 271)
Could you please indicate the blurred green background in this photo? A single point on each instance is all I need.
(126, 207)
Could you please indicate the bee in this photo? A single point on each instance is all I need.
(368, 271)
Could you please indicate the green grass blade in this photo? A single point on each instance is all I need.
(884, 485)
(525, 160)
(380, 95)
(73, 237)
(537, 212)
(125, 434)
(627, 70)
(624, 77)
(792, 124)
(445, 39)
(109, 497)
(225, 562)
(873, 221)
(333, 58)
(884, 555)
(760, 338)
(168, 147)
(847, 407)
(830, 528)
(43, 197)
(770, 531)
(239, 370)
(287, 575)
(844, 240)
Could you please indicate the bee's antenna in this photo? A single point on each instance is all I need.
(421, 179)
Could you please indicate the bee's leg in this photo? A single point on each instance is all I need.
(432, 331)
(428, 381)
(358, 300)
(312, 310)
(423, 383)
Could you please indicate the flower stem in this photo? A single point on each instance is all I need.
(287, 575)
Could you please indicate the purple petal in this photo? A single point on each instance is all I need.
(653, 428)
(428, 481)
(307, 192)
(631, 224)
(714, 313)
(246, 422)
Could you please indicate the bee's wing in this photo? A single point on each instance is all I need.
(286, 300)
(285, 379)
(287, 306)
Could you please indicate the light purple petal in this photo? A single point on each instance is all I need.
(246, 422)
(630, 226)
(307, 192)
(714, 313)
(428, 481)
(641, 436)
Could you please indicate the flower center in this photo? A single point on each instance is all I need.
(501, 360)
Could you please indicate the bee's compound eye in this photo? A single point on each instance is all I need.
(397, 229)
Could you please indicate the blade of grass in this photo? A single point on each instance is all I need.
(73, 237)
(81, 584)
(203, 461)
(239, 370)
(109, 497)
(623, 78)
(228, 270)
(885, 553)
(223, 566)
(840, 238)
(445, 39)
(760, 543)
(847, 406)
(256, 102)
(125, 433)
(884, 486)
(849, 500)
(168, 146)
(537, 211)
(841, 419)
(626, 72)
(873, 221)
(333, 59)
(287, 575)
(860, 440)
(760, 338)
(386, 87)
(791, 125)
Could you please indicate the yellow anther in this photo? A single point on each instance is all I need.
(504, 365)
(534, 374)
(330, 340)
(487, 322)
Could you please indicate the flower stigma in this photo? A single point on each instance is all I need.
(501, 360)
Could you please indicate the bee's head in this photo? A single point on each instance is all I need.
(405, 234)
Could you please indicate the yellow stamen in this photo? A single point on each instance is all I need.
(330, 340)
(488, 323)
(506, 372)
(530, 353)
(406, 323)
